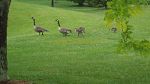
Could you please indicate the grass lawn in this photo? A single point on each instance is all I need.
(54, 59)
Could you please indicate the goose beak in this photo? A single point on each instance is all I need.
(56, 19)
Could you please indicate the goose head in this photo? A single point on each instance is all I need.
(32, 18)
(57, 20)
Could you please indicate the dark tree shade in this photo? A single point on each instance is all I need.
(4, 9)
(80, 2)
(97, 3)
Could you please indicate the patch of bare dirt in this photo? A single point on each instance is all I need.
(15, 82)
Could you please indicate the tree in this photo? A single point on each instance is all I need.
(4, 9)
(118, 16)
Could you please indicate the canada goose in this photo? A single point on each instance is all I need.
(37, 28)
(64, 31)
(114, 29)
(80, 30)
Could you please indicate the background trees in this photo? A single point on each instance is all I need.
(80, 2)
(92, 3)
(4, 8)
(98, 3)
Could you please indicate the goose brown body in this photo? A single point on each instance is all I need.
(64, 31)
(80, 30)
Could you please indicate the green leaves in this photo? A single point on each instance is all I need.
(118, 15)
(120, 11)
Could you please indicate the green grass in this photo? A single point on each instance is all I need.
(53, 59)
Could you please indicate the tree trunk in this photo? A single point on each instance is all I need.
(52, 3)
(4, 9)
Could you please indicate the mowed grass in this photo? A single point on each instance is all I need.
(54, 59)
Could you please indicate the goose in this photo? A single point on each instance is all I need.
(80, 30)
(64, 31)
(38, 28)
(114, 29)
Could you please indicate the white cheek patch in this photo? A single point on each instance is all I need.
(59, 28)
(34, 27)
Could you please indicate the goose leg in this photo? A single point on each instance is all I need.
(82, 34)
(42, 33)
(78, 34)
(65, 34)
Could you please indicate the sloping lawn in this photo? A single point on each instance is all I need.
(54, 59)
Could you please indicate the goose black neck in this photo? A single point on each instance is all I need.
(58, 23)
(34, 22)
